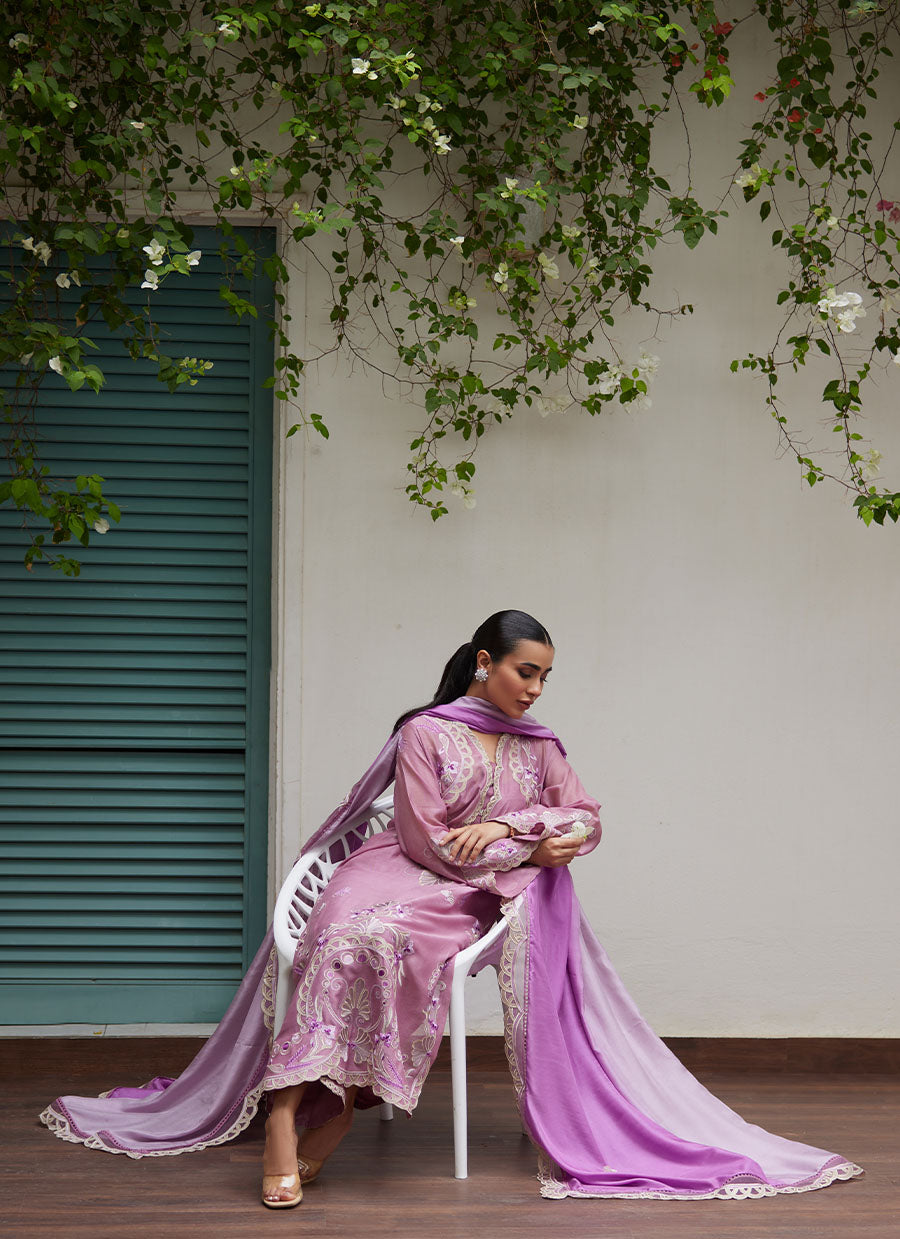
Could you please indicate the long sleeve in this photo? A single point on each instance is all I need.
(564, 807)
(420, 817)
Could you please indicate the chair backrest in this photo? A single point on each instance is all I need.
(312, 872)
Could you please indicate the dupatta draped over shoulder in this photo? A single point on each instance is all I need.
(612, 1111)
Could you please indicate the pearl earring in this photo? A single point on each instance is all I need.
(481, 675)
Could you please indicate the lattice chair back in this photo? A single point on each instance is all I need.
(305, 883)
(299, 892)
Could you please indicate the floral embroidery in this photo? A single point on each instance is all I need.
(426, 1035)
(429, 878)
(491, 792)
(523, 766)
(455, 764)
(553, 821)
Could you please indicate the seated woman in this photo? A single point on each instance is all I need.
(486, 809)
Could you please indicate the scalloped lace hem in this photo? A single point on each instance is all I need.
(338, 1080)
(63, 1130)
(554, 1189)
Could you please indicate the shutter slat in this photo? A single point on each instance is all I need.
(126, 797)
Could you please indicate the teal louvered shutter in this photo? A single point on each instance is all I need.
(134, 712)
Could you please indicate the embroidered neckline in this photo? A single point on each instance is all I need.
(474, 735)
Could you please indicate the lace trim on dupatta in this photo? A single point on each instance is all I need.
(554, 1187)
(267, 991)
(512, 976)
(62, 1128)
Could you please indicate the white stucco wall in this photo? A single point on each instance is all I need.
(726, 680)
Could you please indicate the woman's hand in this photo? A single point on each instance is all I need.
(555, 851)
(468, 842)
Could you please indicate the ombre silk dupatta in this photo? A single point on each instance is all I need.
(216, 1096)
(611, 1109)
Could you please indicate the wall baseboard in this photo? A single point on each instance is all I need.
(121, 1057)
(827, 1055)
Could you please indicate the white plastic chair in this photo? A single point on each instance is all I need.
(299, 892)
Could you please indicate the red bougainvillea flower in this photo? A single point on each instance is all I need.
(760, 95)
(694, 46)
(675, 62)
(795, 115)
(723, 28)
(817, 131)
(721, 59)
(883, 205)
(794, 81)
(894, 216)
(708, 73)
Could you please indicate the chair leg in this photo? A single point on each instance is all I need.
(458, 1076)
(385, 1111)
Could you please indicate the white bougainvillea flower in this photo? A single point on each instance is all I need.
(871, 466)
(394, 101)
(151, 279)
(464, 493)
(555, 403)
(56, 363)
(580, 122)
(596, 28)
(63, 280)
(19, 41)
(458, 241)
(359, 66)
(72, 103)
(442, 144)
(229, 30)
(647, 364)
(501, 275)
(155, 252)
(40, 249)
(571, 231)
(591, 274)
(101, 525)
(842, 308)
(137, 124)
(548, 266)
(75, 278)
(460, 301)
(832, 222)
(749, 176)
(193, 258)
(610, 380)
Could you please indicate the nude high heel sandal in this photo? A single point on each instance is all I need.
(309, 1168)
(275, 1182)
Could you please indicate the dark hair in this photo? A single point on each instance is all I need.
(499, 635)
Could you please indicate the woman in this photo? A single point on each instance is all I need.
(486, 809)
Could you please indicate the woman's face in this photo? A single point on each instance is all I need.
(516, 681)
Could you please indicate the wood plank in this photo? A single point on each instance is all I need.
(394, 1180)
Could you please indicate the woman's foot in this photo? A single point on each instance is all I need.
(281, 1183)
(318, 1143)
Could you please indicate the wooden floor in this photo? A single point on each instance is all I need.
(394, 1180)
